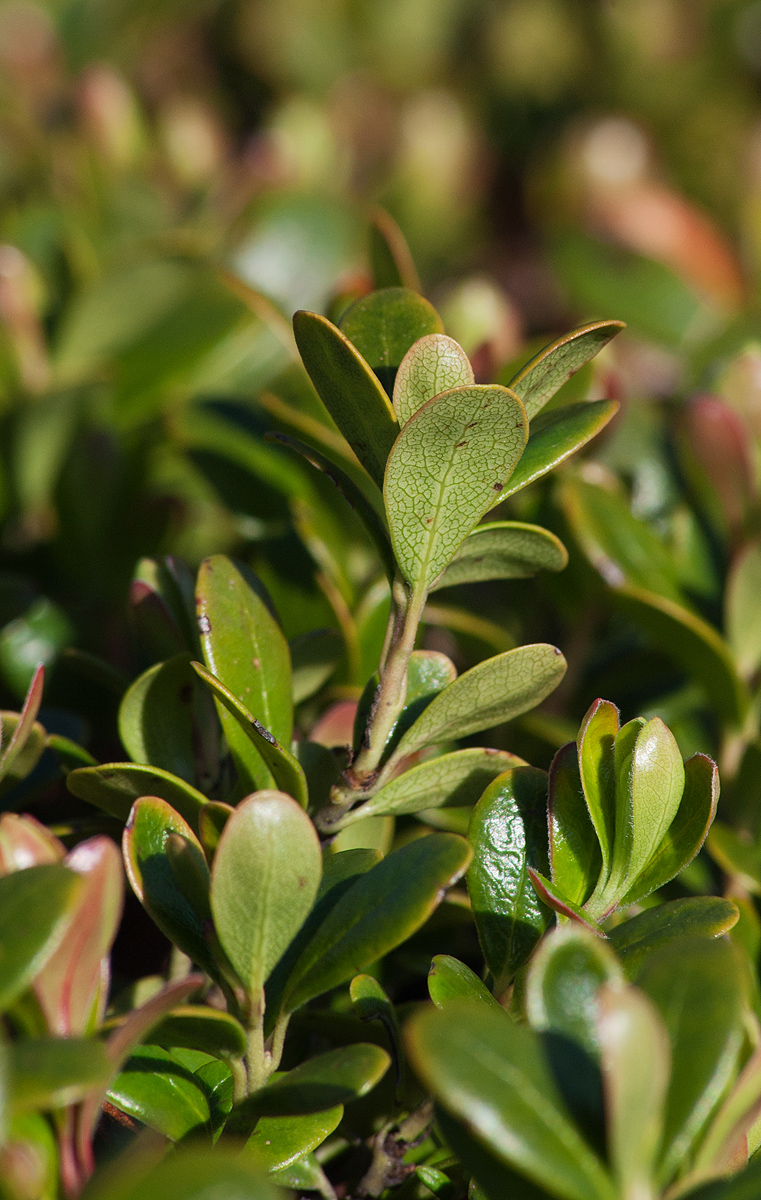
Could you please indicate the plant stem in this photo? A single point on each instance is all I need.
(256, 1055)
(278, 1040)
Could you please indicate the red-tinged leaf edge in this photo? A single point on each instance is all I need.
(27, 718)
(554, 899)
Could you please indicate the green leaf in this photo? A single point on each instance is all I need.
(36, 908)
(155, 1089)
(687, 831)
(157, 722)
(376, 913)
(162, 606)
(746, 1185)
(151, 824)
(265, 878)
(192, 1173)
(495, 691)
(286, 770)
(211, 824)
(595, 743)
(508, 833)
(390, 258)
(55, 1072)
(698, 986)
(564, 982)
(743, 612)
(491, 1178)
(735, 855)
(503, 550)
(452, 780)
(30, 1152)
(428, 673)
(349, 390)
(575, 858)
(491, 1075)
(649, 788)
(19, 738)
(544, 374)
(197, 1027)
(553, 897)
(384, 324)
(449, 979)
(279, 1142)
(444, 472)
(726, 1140)
(245, 648)
(114, 788)
(555, 436)
(315, 1086)
(371, 517)
(433, 364)
(650, 931)
(635, 1057)
(36, 638)
(314, 658)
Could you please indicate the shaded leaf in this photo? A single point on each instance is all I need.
(699, 916)
(156, 717)
(390, 258)
(743, 612)
(190, 1174)
(114, 788)
(575, 857)
(449, 979)
(197, 1027)
(155, 1089)
(735, 855)
(564, 982)
(384, 324)
(557, 435)
(503, 550)
(314, 658)
(36, 909)
(544, 374)
(55, 1072)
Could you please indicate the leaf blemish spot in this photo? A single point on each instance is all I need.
(204, 624)
(498, 487)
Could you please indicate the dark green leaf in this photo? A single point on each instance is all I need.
(384, 324)
(36, 908)
(114, 788)
(279, 1142)
(696, 916)
(157, 722)
(575, 858)
(198, 1027)
(557, 435)
(449, 979)
(211, 823)
(598, 774)
(314, 658)
(564, 981)
(157, 1090)
(390, 258)
(55, 1072)
(192, 1173)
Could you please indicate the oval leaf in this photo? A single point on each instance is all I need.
(695, 916)
(449, 979)
(384, 324)
(503, 550)
(555, 437)
(197, 1027)
(36, 909)
(157, 1090)
(158, 719)
(564, 981)
(575, 858)
(278, 1142)
(433, 364)
(114, 788)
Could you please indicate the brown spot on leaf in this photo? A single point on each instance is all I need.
(498, 487)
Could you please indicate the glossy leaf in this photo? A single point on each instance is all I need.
(595, 742)
(491, 1075)
(743, 612)
(697, 984)
(55, 1072)
(635, 1057)
(503, 550)
(149, 869)
(564, 982)
(557, 435)
(446, 467)
(245, 648)
(156, 717)
(452, 780)
(349, 389)
(114, 788)
(508, 833)
(544, 374)
(279, 1142)
(198, 1027)
(154, 1088)
(687, 832)
(36, 909)
(72, 987)
(266, 874)
(376, 913)
(551, 895)
(695, 916)
(285, 769)
(315, 1085)
(15, 738)
(433, 364)
(495, 691)
(575, 858)
(449, 979)
(384, 324)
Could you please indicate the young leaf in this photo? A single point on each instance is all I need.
(575, 858)
(13, 746)
(652, 930)
(491, 1075)
(508, 833)
(72, 987)
(698, 986)
(635, 1057)
(279, 1142)
(452, 780)
(544, 374)
(564, 981)
(433, 364)
(55, 1072)
(503, 550)
(156, 717)
(687, 831)
(114, 788)
(551, 895)
(26, 842)
(743, 612)
(649, 787)
(384, 324)
(286, 770)
(444, 471)
(377, 912)
(36, 909)
(554, 437)
(449, 979)
(245, 648)
(149, 869)
(266, 874)
(349, 390)
(495, 691)
(157, 1090)
(598, 775)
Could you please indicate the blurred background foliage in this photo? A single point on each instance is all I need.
(176, 178)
